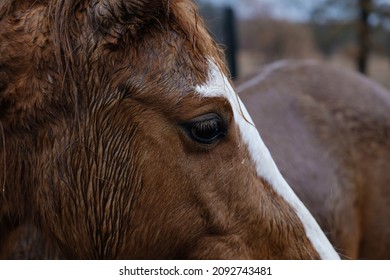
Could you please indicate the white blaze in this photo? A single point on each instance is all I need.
(218, 85)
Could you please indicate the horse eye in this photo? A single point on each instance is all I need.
(207, 129)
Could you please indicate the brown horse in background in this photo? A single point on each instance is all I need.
(329, 133)
(122, 138)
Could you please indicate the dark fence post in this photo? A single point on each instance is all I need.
(364, 35)
(229, 27)
(221, 23)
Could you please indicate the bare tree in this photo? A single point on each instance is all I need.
(358, 11)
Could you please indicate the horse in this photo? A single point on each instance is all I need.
(122, 138)
(328, 130)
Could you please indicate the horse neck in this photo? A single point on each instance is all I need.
(359, 130)
(345, 113)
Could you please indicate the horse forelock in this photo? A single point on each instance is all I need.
(86, 47)
(135, 29)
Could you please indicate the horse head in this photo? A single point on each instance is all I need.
(122, 137)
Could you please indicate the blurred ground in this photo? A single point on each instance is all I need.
(263, 40)
(379, 66)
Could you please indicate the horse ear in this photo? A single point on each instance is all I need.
(117, 17)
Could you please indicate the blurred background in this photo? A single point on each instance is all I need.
(354, 34)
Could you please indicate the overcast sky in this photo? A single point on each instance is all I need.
(293, 10)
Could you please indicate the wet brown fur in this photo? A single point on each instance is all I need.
(96, 165)
(329, 132)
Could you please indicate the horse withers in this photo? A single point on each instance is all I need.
(329, 132)
(122, 138)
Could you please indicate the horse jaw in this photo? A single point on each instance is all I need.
(218, 85)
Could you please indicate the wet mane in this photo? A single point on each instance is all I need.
(120, 27)
(83, 34)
